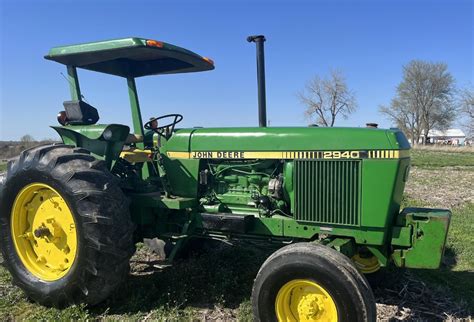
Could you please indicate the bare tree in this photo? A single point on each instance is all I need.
(406, 118)
(467, 108)
(424, 99)
(27, 139)
(326, 98)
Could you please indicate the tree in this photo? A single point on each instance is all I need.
(467, 108)
(27, 139)
(326, 98)
(405, 116)
(424, 100)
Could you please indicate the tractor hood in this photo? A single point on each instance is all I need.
(286, 139)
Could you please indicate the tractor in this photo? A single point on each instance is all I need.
(71, 213)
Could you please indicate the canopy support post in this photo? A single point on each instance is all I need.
(135, 107)
(137, 120)
(73, 83)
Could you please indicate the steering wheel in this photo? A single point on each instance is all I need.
(160, 129)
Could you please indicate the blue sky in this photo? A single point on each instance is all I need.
(368, 40)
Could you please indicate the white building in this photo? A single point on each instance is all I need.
(448, 137)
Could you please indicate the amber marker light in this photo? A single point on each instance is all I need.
(154, 43)
(210, 61)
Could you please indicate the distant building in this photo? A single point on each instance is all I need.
(448, 137)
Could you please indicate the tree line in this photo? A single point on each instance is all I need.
(426, 99)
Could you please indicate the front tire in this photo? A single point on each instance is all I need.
(65, 228)
(311, 282)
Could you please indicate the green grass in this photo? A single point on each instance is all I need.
(440, 158)
(3, 167)
(14, 305)
(457, 273)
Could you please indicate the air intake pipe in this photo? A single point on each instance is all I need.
(262, 104)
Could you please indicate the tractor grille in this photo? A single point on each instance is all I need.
(327, 191)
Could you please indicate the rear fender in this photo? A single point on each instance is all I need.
(105, 142)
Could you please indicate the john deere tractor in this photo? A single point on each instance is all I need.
(71, 213)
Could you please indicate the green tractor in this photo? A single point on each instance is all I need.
(71, 213)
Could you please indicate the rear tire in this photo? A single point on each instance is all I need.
(102, 226)
(324, 281)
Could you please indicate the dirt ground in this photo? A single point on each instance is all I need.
(400, 296)
(444, 187)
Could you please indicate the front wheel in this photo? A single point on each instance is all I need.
(311, 282)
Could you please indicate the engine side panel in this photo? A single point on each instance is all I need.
(334, 180)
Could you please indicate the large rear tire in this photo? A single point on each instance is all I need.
(311, 282)
(65, 228)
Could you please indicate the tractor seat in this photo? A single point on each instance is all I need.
(79, 112)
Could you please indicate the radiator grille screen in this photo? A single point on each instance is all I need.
(327, 191)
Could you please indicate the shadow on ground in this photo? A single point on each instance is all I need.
(220, 277)
(224, 276)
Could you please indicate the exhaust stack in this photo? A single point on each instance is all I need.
(262, 104)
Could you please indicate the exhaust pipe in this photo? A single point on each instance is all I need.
(262, 104)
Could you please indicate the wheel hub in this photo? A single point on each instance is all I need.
(310, 306)
(366, 264)
(43, 231)
(304, 300)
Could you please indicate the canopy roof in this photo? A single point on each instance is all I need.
(130, 57)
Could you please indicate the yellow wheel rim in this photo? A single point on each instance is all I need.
(304, 300)
(366, 265)
(44, 232)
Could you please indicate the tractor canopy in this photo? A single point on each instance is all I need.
(130, 57)
(126, 57)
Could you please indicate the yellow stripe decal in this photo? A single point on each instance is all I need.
(178, 155)
(307, 155)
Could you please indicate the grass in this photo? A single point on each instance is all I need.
(3, 167)
(429, 158)
(457, 274)
(217, 284)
